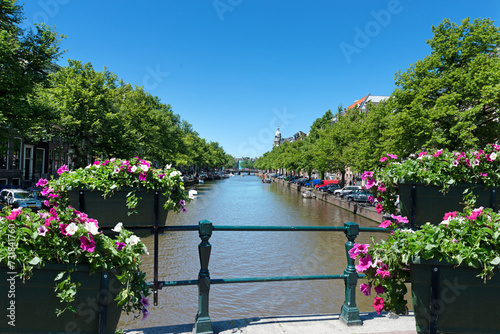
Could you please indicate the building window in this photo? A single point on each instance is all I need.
(16, 182)
(40, 161)
(16, 154)
(3, 181)
(4, 155)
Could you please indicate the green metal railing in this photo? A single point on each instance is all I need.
(203, 325)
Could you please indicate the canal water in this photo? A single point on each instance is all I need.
(247, 201)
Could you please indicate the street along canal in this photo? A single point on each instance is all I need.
(247, 201)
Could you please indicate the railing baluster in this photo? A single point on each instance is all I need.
(350, 312)
(203, 324)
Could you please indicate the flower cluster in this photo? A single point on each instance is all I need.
(441, 167)
(470, 238)
(66, 236)
(114, 174)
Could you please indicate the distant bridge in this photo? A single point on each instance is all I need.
(242, 170)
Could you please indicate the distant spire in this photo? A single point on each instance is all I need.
(277, 138)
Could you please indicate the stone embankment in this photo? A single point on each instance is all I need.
(363, 209)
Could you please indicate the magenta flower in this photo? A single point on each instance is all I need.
(62, 169)
(383, 159)
(467, 162)
(184, 210)
(364, 264)
(400, 219)
(475, 213)
(371, 199)
(87, 244)
(14, 213)
(438, 153)
(142, 176)
(378, 304)
(370, 183)
(120, 245)
(455, 163)
(381, 188)
(63, 229)
(483, 174)
(145, 314)
(392, 156)
(182, 202)
(366, 175)
(449, 215)
(144, 301)
(42, 182)
(365, 289)
(379, 208)
(385, 224)
(379, 289)
(358, 249)
(383, 273)
(422, 154)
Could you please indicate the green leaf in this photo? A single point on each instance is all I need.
(36, 260)
(495, 261)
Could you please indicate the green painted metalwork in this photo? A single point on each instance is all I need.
(203, 325)
(350, 312)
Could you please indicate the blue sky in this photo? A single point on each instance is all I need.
(236, 69)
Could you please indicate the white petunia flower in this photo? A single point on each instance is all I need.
(118, 227)
(71, 229)
(91, 228)
(133, 240)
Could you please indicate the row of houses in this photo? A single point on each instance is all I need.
(23, 163)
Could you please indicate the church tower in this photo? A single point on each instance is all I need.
(277, 138)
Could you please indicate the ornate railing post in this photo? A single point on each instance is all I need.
(350, 312)
(203, 324)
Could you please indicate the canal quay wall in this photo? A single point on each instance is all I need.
(361, 209)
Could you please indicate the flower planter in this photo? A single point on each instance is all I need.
(461, 302)
(33, 304)
(113, 209)
(426, 203)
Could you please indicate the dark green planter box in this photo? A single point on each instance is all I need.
(465, 304)
(113, 209)
(36, 302)
(429, 204)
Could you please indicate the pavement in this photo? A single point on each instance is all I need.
(306, 324)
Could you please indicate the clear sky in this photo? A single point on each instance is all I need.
(237, 69)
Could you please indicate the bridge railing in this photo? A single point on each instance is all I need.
(349, 311)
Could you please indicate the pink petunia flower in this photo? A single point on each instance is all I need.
(475, 213)
(385, 224)
(383, 159)
(449, 215)
(14, 213)
(438, 153)
(62, 169)
(120, 245)
(87, 244)
(366, 175)
(392, 156)
(400, 219)
(378, 304)
(358, 249)
(42, 182)
(383, 273)
(42, 230)
(364, 264)
(379, 208)
(365, 289)
(379, 289)
(369, 183)
(142, 176)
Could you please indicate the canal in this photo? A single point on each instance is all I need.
(247, 201)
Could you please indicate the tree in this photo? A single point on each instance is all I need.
(25, 59)
(451, 98)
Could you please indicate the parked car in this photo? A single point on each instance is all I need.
(332, 187)
(36, 191)
(326, 182)
(312, 183)
(358, 195)
(344, 191)
(17, 198)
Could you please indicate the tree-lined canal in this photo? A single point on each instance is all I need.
(248, 201)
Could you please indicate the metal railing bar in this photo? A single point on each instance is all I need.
(278, 228)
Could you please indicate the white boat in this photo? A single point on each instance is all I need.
(308, 194)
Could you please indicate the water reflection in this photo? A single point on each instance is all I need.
(248, 201)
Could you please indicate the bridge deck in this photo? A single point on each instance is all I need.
(317, 324)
